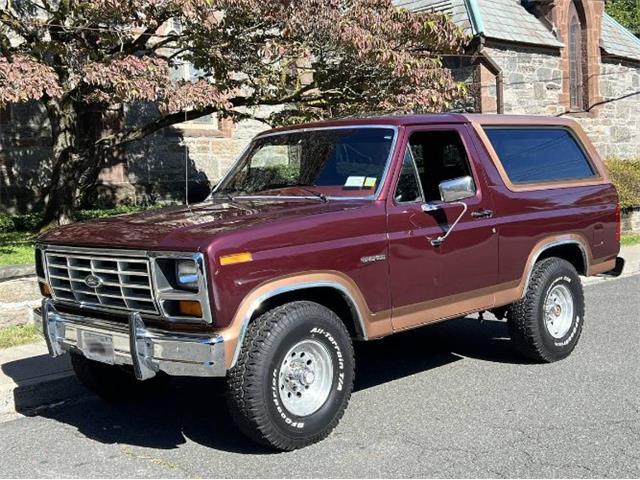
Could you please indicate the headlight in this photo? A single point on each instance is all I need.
(187, 274)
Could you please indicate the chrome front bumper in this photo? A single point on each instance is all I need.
(147, 350)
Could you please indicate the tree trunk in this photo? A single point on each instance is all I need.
(76, 163)
(58, 195)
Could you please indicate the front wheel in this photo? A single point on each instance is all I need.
(546, 324)
(294, 376)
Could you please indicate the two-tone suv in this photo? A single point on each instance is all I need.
(330, 232)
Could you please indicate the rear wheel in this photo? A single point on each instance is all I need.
(113, 382)
(293, 379)
(546, 324)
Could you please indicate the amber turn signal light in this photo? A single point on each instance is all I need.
(45, 291)
(236, 258)
(189, 308)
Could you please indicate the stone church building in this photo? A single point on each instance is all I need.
(543, 57)
(550, 57)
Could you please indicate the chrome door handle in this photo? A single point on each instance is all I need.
(483, 213)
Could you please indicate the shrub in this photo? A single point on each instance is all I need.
(108, 212)
(27, 222)
(625, 175)
(6, 223)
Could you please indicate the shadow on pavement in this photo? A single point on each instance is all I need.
(195, 408)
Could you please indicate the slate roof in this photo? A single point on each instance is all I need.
(617, 40)
(509, 21)
(456, 10)
(500, 19)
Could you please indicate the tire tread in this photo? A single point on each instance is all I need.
(523, 315)
(244, 396)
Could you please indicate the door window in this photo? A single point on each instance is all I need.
(439, 155)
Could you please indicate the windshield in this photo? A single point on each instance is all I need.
(340, 162)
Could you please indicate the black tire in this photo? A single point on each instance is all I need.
(113, 383)
(253, 394)
(526, 317)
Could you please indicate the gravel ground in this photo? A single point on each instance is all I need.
(449, 400)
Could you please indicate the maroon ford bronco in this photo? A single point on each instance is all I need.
(329, 232)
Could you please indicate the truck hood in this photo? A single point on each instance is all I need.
(186, 228)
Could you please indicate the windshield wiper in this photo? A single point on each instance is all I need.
(301, 186)
(306, 188)
(226, 195)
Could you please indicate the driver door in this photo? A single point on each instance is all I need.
(429, 282)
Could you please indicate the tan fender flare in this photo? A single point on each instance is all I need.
(370, 324)
(510, 295)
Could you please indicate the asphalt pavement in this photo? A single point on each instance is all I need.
(448, 400)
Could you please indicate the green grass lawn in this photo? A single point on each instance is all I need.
(630, 239)
(18, 335)
(16, 248)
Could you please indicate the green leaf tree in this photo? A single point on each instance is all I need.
(627, 12)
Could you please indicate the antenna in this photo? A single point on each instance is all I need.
(186, 167)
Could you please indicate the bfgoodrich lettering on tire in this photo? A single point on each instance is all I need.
(546, 324)
(294, 376)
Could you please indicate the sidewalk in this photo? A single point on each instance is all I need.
(29, 378)
(632, 257)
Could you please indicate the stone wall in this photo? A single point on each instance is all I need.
(631, 221)
(156, 166)
(25, 151)
(615, 128)
(532, 79)
(152, 170)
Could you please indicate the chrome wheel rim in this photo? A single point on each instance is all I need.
(305, 378)
(558, 311)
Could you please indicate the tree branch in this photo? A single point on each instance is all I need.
(138, 133)
(15, 24)
(140, 42)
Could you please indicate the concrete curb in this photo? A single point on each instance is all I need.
(27, 397)
(16, 271)
(631, 255)
(29, 379)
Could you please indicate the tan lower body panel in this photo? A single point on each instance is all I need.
(383, 323)
(602, 266)
(412, 316)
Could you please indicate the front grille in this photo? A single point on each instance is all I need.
(124, 283)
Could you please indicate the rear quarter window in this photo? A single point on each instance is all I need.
(535, 155)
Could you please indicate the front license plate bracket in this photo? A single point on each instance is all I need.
(97, 346)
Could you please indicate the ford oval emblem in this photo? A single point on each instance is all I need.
(93, 281)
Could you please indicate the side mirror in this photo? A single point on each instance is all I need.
(457, 189)
(452, 191)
